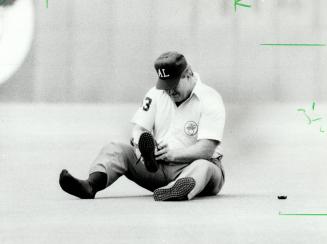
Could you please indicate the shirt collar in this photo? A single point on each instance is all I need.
(196, 89)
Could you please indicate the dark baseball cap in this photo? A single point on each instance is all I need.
(169, 67)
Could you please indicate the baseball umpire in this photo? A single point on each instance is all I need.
(175, 145)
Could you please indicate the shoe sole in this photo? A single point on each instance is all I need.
(178, 191)
(147, 148)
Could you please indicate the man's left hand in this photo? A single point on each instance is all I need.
(164, 153)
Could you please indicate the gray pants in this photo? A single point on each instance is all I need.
(117, 159)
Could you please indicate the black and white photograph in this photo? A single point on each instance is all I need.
(175, 121)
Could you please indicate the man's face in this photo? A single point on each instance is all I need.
(181, 91)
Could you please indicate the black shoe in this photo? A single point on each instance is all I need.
(177, 192)
(147, 147)
(76, 187)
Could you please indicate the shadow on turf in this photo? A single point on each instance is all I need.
(151, 196)
(124, 197)
(200, 198)
(228, 196)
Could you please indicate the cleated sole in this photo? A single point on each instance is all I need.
(178, 191)
(147, 148)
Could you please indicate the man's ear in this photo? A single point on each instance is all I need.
(189, 74)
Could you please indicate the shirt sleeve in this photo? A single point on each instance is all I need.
(145, 115)
(212, 120)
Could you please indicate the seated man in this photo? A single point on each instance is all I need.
(177, 131)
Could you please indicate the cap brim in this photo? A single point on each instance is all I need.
(167, 84)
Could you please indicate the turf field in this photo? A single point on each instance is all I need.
(270, 150)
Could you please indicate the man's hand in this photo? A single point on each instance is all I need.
(203, 149)
(163, 152)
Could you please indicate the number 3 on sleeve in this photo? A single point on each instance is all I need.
(146, 103)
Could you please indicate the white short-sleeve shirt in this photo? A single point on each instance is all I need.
(201, 116)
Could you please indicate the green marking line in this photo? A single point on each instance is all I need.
(294, 44)
(307, 116)
(313, 105)
(47, 3)
(238, 2)
(316, 119)
(303, 214)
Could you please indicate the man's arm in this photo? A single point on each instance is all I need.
(203, 149)
(144, 117)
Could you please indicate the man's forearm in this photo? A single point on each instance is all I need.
(200, 150)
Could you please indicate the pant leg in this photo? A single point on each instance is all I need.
(117, 159)
(209, 177)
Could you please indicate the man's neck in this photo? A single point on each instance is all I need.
(179, 103)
